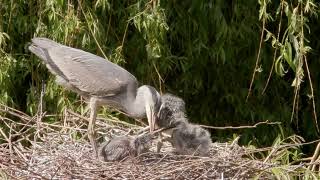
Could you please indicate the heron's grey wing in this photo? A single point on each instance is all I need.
(85, 71)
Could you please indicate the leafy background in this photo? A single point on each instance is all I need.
(202, 51)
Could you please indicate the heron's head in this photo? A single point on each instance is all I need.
(152, 104)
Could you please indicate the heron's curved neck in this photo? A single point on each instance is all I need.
(136, 102)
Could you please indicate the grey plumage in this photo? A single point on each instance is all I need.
(190, 139)
(171, 112)
(119, 148)
(99, 80)
(174, 103)
(186, 138)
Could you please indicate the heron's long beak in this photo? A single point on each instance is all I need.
(160, 109)
(151, 117)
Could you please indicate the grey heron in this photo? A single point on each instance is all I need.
(118, 148)
(99, 80)
(185, 137)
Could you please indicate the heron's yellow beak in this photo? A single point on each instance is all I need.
(151, 115)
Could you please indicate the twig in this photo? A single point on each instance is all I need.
(242, 127)
(4, 135)
(94, 37)
(312, 95)
(274, 149)
(314, 157)
(10, 142)
(294, 106)
(275, 51)
(124, 35)
(14, 112)
(258, 58)
(40, 105)
(21, 155)
(159, 77)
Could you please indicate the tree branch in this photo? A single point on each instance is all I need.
(242, 127)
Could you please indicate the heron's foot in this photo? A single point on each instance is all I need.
(93, 144)
(95, 150)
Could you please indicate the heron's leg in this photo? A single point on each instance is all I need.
(160, 142)
(159, 146)
(92, 122)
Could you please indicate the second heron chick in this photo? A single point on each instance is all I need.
(118, 148)
(171, 113)
(186, 138)
(190, 139)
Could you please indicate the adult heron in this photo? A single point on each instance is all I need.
(99, 80)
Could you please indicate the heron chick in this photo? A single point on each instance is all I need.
(121, 147)
(171, 112)
(190, 139)
(186, 138)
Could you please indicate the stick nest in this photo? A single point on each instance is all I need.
(34, 149)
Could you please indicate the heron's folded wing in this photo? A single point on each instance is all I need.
(90, 73)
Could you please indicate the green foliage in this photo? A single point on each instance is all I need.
(151, 23)
(203, 51)
(286, 153)
(291, 42)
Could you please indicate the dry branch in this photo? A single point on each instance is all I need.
(242, 127)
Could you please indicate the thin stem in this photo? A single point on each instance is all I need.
(159, 77)
(312, 95)
(95, 39)
(258, 58)
(275, 51)
(124, 35)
